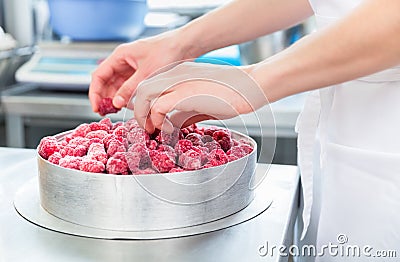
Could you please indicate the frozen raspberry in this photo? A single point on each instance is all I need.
(138, 157)
(199, 130)
(117, 166)
(117, 124)
(167, 149)
(67, 151)
(68, 138)
(80, 150)
(137, 135)
(235, 153)
(107, 139)
(190, 160)
(146, 171)
(176, 169)
(245, 147)
(169, 139)
(131, 123)
(189, 129)
(55, 158)
(94, 126)
(114, 147)
(97, 134)
(162, 161)
(152, 144)
(106, 121)
(195, 138)
(120, 131)
(106, 107)
(83, 141)
(63, 143)
(81, 130)
(72, 162)
(203, 151)
(206, 139)
(210, 130)
(212, 145)
(223, 137)
(97, 152)
(94, 140)
(183, 145)
(89, 165)
(48, 146)
(217, 157)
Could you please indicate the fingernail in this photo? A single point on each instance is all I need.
(119, 101)
(168, 127)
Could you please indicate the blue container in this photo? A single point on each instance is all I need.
(98, 20)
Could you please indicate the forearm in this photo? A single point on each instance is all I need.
(240, 21)
(364, 42)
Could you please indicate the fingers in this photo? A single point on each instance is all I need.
(127, 90)
(115, 69)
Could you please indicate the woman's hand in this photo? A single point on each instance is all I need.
(118, 75)
(194, 92)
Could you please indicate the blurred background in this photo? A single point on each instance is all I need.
(48, 48)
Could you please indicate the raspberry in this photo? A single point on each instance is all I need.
(106, 107)
(90, 165)
(94, 126)
(137, 135)
(117, 124)
(176, 169)
(117, 166)
(48, 146)
(183, 145)
(138, 157)
(210, 130)
(162, 161)
(80, 150)
(97, 134)
(94, 140)
(106, 121)
(203, 151)
(114, 147)
(131, 123)
(68, 138)
(167, 149)
(189, 129)
(235, 153)
(217, 157)
(72, 162)
(169, 139)
(81, 130)
(195, 138)
(206, 139)
(190, 160)
(212, 145)
(152, 144)
(97, 152)
(67, 151)
(223, 137)
(55, 158)
(146, 171)
(245, 147)
(120, 131)
(79, 141)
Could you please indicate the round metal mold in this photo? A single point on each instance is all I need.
(27, 204)
(147, 202)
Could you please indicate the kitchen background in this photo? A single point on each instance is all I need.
(26, 113)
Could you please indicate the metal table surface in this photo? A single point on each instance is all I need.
(29, 101)
(23, 241)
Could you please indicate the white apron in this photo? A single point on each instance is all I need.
(349, 158)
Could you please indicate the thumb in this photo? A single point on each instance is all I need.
(127, 90)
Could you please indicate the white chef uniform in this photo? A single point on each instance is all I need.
(349, 157)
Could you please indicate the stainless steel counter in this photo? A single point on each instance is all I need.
(23, 241)
(23, 102)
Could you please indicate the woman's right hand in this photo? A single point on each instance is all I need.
(119, 75)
